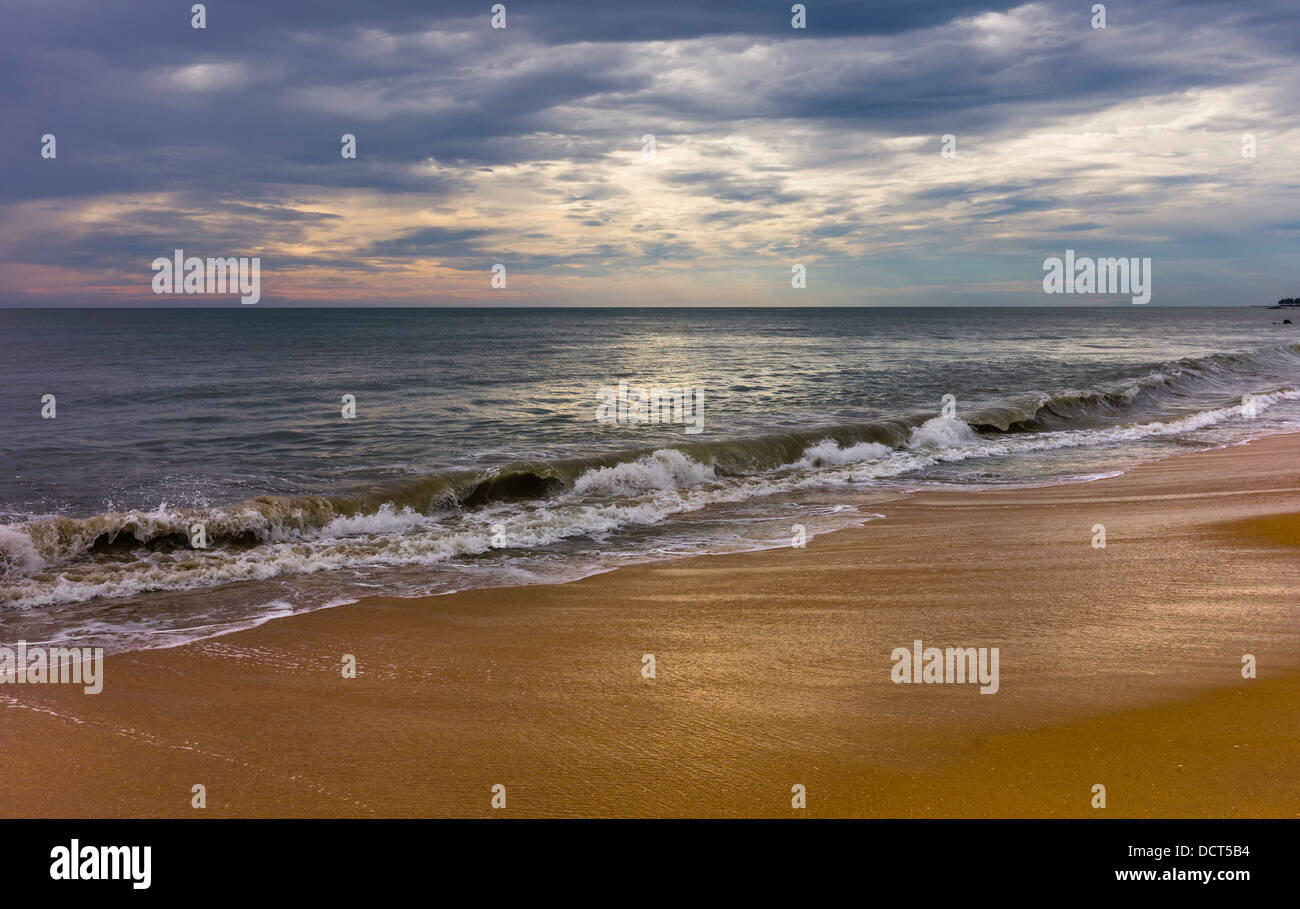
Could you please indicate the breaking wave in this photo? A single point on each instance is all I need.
(438, 517)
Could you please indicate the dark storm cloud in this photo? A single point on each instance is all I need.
(238, 125)
(729, 187)
(102, 77)
(440, 241)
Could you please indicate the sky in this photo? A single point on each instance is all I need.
(524, 146)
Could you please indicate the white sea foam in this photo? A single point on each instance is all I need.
(827, 453)
(18, 555)
(642, 493)
(664, 469)
(942, 432)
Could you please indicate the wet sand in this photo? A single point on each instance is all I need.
(1119, 666)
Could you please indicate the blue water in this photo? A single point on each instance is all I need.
(476, 457)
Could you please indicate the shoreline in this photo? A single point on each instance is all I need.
(772, 668)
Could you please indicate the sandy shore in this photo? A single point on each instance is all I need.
(1120, 666)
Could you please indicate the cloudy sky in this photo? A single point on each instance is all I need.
(524, 146)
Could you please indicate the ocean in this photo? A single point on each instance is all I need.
(197, 473)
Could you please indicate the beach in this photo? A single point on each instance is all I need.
(1119, 666)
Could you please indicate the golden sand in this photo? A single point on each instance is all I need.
(1119, 666)
(1270, 530)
